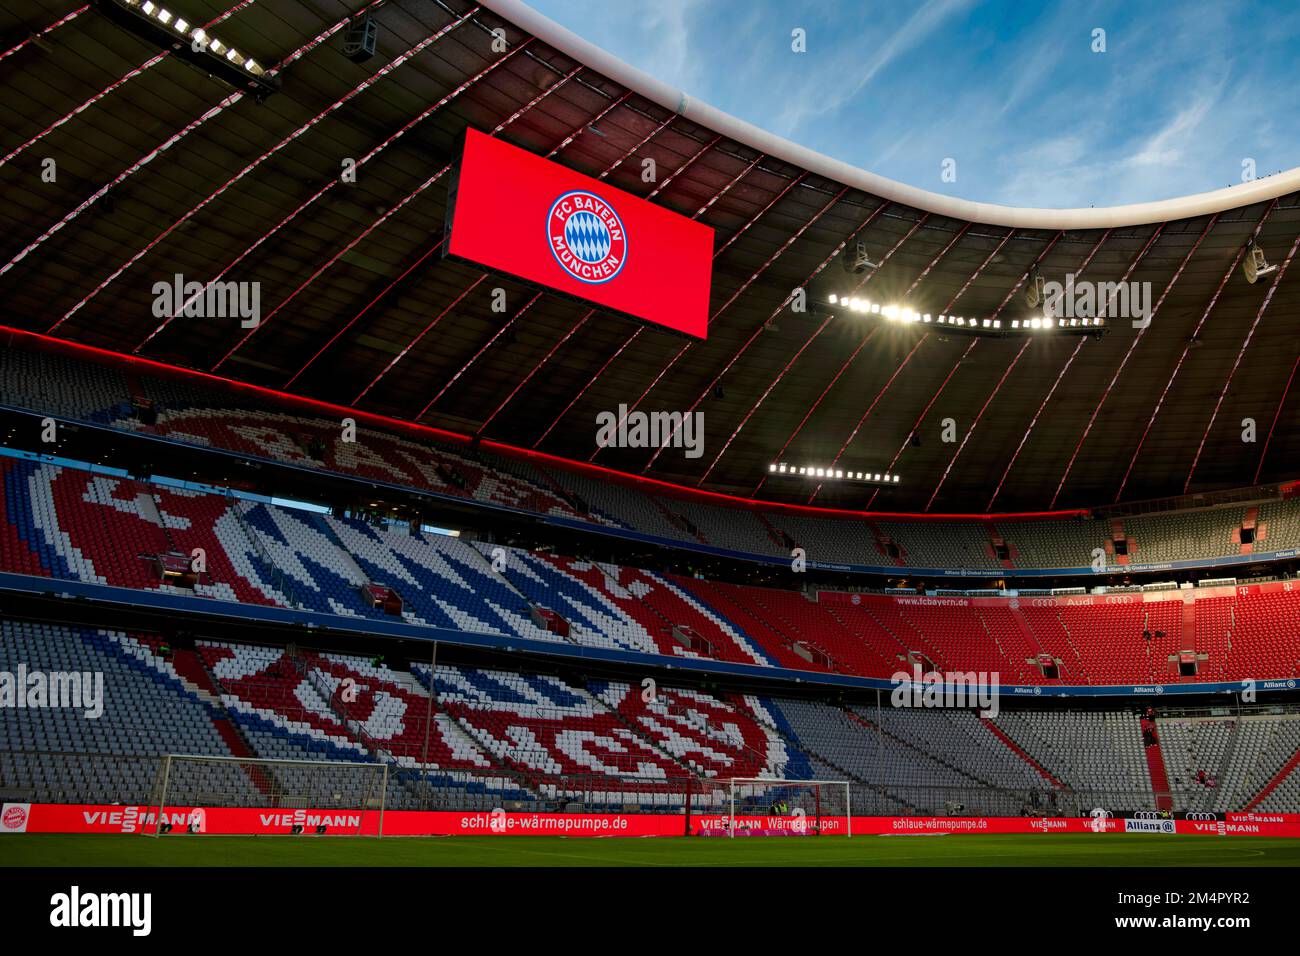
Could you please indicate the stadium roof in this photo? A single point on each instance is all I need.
(163, 169)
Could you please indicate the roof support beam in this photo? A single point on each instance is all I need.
(1263, 306)
(334, 181)
(392, 210)
(1272, 425)
(794, 182)
(32, 38)
(762, 398)
(229, 101)
(775, 312)
(1209, 307)
(872, 218)
(815, 405)
(486, 345)
(1087, 430)
(975, 424)
(861, 284)
(121, 81)
(1078, 347)
(948, 308)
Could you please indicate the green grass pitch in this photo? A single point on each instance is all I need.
(1036, 850)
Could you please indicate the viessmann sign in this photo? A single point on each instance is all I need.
(517, 213)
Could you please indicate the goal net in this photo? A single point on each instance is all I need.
(350, 797)
(770, 807)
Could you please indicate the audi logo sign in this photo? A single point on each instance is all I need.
(516, 213)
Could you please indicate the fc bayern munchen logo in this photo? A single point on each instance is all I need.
(586, 237)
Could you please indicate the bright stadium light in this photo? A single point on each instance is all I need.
(161, 26)
(967, 325)
(829, 474)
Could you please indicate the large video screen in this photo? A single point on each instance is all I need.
(517, 213)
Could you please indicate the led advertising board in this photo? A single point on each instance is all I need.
(517, 213)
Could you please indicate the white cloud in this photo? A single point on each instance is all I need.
(827, 89)
(1029, 113)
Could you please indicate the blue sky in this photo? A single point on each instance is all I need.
(1184, 93)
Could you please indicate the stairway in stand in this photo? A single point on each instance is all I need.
(1156, 764)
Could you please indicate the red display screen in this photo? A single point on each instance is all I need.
(517, 213)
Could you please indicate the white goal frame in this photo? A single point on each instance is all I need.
(378, 771)
(780, 782)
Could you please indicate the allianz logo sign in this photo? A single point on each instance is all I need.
(1148, 826)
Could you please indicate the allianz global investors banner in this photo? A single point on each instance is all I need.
(517, 213)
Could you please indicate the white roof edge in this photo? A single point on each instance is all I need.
(1164, 210)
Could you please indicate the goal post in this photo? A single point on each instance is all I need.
(772, 806)
(197, 782)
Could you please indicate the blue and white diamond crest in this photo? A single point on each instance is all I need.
(586, 237)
